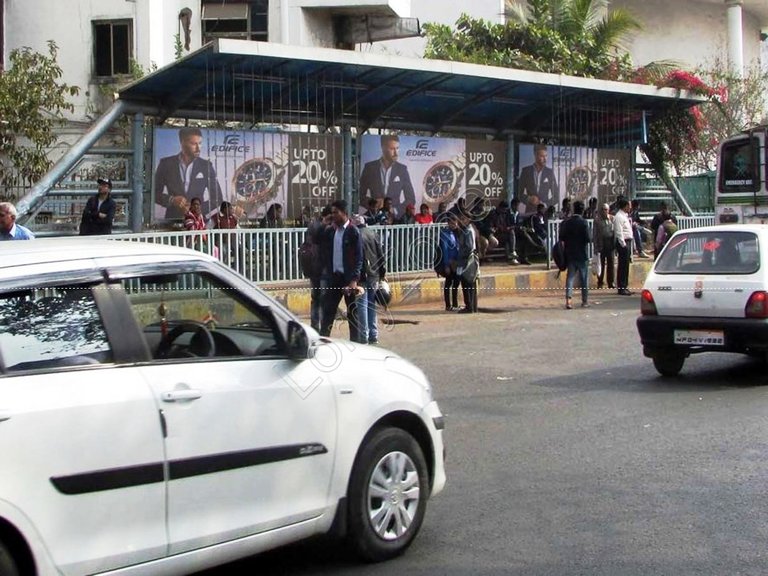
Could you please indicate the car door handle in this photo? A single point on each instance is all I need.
(181, 395)
(4, 415)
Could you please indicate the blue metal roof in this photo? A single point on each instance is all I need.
(268, 83)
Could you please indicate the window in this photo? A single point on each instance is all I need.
(194, 315)
(112, 48)
(51, 328)
(243, 20)
(711, 253)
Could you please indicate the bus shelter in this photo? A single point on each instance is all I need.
(297, 126)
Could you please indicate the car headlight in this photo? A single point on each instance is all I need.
(397, 365)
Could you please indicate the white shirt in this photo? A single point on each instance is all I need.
(338, 248)
(622, 228)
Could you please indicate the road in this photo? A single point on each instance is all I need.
(568, 454)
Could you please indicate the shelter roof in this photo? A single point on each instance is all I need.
(275, 84)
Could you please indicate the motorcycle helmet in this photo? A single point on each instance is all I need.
(383, 294)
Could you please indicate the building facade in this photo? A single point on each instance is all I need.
(103, 44)
(691, 32)
(106, 43)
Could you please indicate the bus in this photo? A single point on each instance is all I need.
(740, 194)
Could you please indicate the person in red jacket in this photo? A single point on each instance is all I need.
(425, 215)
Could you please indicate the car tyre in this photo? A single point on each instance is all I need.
(8, 565)
(388, 494)
(668, 364)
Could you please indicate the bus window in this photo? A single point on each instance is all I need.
(739, 167)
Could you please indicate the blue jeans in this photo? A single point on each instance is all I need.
(367, 318)
(317, 286)
(580, 269)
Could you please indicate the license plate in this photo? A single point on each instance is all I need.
(700, 337)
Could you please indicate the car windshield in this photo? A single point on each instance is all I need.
(710, 252)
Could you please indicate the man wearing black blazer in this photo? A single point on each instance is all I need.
(537, 182)
(184, 176)
(342, 253)
(387, 178)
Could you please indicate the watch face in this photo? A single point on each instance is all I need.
(254, 180)
(579, 183)
(440, 183)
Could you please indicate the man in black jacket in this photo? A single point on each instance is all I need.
(387, 178)
(99, 211)
(342, 250)
(185, 175)
(574, 233)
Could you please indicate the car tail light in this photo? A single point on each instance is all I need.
(647, 305)
(757, 305)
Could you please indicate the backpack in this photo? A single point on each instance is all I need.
(309, 259)
(558, 256)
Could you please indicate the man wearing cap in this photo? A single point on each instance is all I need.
(410, 215)
(9, 230)
(99, 211)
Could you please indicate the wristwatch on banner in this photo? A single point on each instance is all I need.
(257, 181)
(443, 180)
(579, 183)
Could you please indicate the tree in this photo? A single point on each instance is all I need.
(737, 103)
(33, 100)
(574, 37)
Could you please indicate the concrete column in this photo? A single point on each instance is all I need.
(735, 39)
(511, 179)
(137, 199)
(347, 167)
(284, 27)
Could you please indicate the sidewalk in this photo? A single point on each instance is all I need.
(496, 278)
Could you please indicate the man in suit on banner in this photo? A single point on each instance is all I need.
(387, 178)
(537, 182)
(184, 176)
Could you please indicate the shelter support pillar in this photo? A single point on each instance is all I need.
(347, 176)
(137, 199)
(735, 40)
(26, 206)
(510, 175)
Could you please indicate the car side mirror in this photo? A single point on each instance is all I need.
(299, 344)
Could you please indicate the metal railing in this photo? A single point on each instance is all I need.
(267, 256)
(683, 223)
(272, 255)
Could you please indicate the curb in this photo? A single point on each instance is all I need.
(429, 288)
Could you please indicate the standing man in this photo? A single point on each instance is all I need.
(387, 178)
(537, 182)
(622, 230)
(313, 268)
(99, 211)
(9, 230)
(185, 175)
(343, 253)
(374, 270)
(574, 232)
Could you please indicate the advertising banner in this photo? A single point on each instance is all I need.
(548, 174)
(486, 170)
(315, 172)
(430, 170)
(250, 169)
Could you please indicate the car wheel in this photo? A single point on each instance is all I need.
(7, 563)
(387, 495)
(668, 364)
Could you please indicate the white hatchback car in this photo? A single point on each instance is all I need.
(161, 415)
(707, 292)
